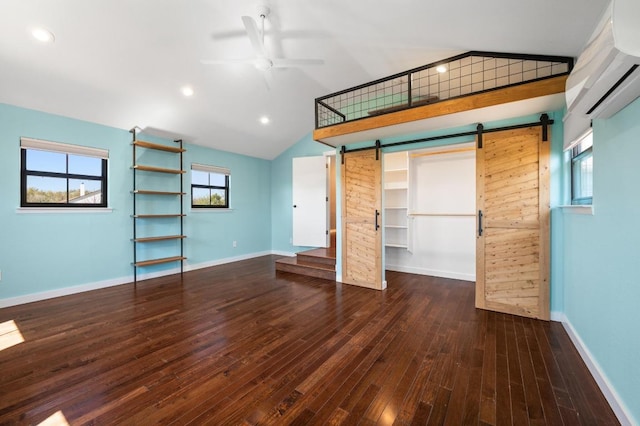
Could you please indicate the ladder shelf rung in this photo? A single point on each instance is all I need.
(144, 168)
(157, 146)
(149, 192)
(159, 238)
(159, 261)
(151, 216)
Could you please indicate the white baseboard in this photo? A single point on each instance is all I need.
(66, 291)
(607, 389)
(557, 316)
(431, 272)
(50, 294)
(225, 260)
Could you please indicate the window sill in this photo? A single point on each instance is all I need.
(39, 210)
(207, 210)
(577, 209)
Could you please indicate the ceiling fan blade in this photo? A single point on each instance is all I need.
(267, 77)
(292, 63)
(254, 36)
(227, 61)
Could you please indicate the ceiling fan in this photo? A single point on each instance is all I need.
(262, 60)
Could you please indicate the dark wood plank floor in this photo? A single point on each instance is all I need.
(240, 344)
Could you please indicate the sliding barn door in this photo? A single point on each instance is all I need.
(512, 265)
(362, 220)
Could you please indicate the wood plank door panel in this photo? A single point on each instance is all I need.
(362, 220)
(513, 226)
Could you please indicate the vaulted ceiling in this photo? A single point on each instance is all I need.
(123, 63)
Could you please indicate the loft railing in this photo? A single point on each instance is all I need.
(463, 75)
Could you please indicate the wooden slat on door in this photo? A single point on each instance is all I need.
(513, 249)
(361, 199)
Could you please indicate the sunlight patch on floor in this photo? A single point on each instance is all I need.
(9, 335)
(56, 419)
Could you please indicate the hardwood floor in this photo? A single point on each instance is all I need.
(240, 344)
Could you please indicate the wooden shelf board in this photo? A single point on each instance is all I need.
(158, 147)
(397, 226)
(161, 238)
(159, 261)
(158, 169)
(148, 192)
(396, 208)
(151, 216)
(403, 246)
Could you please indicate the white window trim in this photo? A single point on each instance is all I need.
(211, 169)
(50, 210)
(29, 143)
(586, 209)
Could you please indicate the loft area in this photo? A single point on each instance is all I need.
(457, 77)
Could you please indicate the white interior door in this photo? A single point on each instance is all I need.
(310, 202)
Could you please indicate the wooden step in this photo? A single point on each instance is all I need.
(310, 269)
(325, 256)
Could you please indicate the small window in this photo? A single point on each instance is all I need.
(209, 186)
(582, 171)
(54, 174)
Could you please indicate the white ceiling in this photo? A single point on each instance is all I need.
(123, 62)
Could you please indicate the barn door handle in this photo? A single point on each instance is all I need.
(377, 215)
(479, 223)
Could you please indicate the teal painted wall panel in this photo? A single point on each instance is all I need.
(41, 252)
(248, 222)
(601, 257)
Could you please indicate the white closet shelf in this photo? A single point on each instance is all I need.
(402, 246)
(396, 185)
(397, 226)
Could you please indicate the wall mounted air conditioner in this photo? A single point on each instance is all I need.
(606, 76)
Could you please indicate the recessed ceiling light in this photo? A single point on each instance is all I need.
(264, 119)
(441, 68)
(43, 35)
(187, 91)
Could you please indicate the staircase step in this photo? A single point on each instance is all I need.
(325, 256)
(310, 269)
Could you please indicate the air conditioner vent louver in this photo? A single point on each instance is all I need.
(613, 89)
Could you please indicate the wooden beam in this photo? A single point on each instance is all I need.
(521, 92)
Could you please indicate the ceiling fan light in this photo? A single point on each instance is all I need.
(43, 35)
(187, 91)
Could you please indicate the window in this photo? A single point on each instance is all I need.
(54, 174)
(582, 171)
(209, 186)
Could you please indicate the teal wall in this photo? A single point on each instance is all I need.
(601, 258)
(44, 252)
